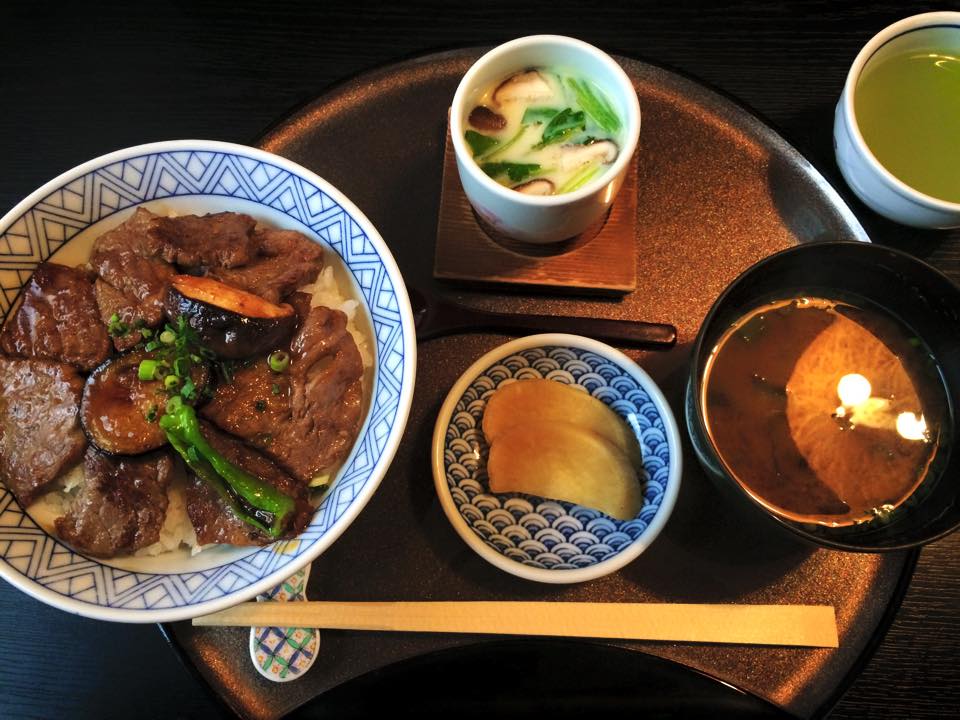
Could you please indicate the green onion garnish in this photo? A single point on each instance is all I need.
(147, 370)
(278, 361)
(171, 381)
(168, 337)
(115, 328)
(189, 390)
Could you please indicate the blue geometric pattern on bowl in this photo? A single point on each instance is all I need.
(63, 213)
(550, 534)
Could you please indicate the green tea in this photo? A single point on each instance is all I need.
(907, 105)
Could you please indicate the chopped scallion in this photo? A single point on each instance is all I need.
(189, 390)
(147, 370)
(278, 361)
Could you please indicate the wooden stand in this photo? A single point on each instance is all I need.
(600, 260)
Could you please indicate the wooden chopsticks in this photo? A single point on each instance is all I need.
(800, 625)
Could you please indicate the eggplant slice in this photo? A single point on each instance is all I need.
(232, 323)
(119, 411)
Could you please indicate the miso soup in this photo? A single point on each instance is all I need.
(544, 131)
(826, 412)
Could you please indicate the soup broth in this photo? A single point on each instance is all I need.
(544, 131)
(827, 412)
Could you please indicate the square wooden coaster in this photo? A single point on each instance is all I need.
(600, 260)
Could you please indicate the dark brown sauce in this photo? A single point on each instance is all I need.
(825, 412)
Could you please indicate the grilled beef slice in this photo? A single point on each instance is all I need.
(222, 240)
(306, 418)
(40, 436)
(288, 260)
(133, 278)
(58, 319)
(212, 517)
(121, 505)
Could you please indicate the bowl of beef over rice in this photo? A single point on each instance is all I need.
(206, 364)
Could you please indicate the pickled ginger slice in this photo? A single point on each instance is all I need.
(541, 402)
(562, 461)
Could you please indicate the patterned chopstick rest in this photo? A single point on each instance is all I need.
(284, 654)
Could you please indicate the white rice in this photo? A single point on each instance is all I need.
(326, 291)
(177, 529)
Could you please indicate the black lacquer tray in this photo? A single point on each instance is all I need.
(717, 190)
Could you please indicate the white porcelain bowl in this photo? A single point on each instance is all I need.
(869, 179)
(60, 221)
(541, 539)
(543, 219)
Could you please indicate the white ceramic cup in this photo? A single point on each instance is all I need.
(550, 218)
(871, 181)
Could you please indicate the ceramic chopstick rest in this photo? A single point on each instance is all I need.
(282, 654)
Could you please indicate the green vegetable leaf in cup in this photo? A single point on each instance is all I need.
(595, 105)
(504, 146)
(517, 172)
(479, 143)
(538, 115)
(564, 124)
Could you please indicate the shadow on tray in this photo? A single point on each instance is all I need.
(564, 679)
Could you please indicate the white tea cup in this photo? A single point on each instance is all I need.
(873, 183)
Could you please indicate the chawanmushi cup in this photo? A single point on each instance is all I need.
(550, 218)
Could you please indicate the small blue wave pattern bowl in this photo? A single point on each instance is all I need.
(542, 539)
(60, 221)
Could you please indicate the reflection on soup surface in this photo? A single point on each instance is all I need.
(827, 412)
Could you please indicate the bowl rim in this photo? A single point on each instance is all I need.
(914, 23)
(405, 396)
(671, 431)
(694, 410)
(632, 124)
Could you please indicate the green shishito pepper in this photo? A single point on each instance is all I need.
(255, 502)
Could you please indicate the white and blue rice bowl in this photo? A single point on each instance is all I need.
(59, 222)
(542, 539)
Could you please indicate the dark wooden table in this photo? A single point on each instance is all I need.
(79, 82)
